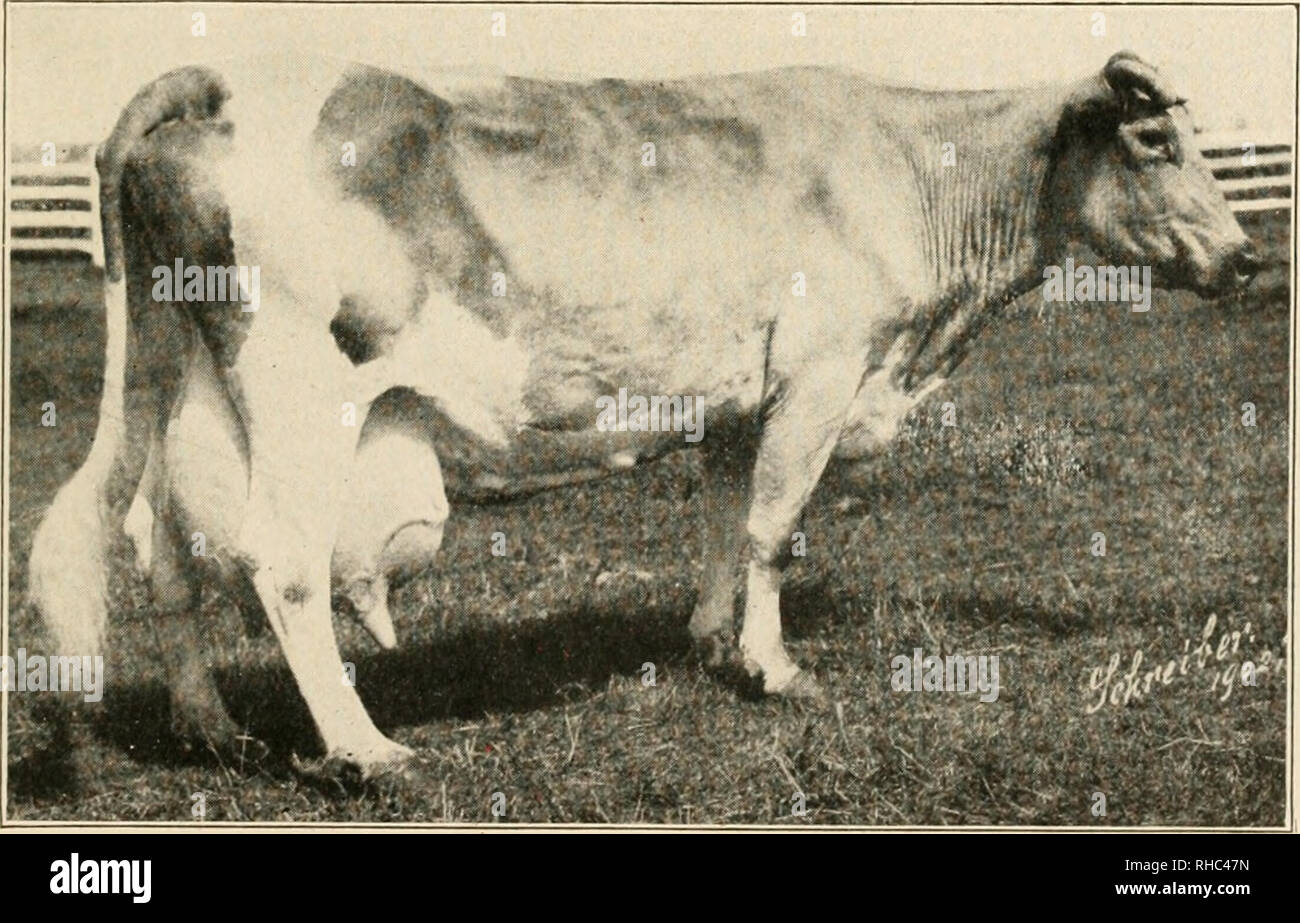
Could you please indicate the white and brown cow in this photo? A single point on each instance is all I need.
(503, 252)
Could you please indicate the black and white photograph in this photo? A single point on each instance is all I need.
(648, 416)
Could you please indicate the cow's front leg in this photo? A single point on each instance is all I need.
(724, 500)
(797, 439)
(291, 386)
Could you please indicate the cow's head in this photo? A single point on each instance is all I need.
(1130, 180)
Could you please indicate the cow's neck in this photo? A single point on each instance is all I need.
(983, 204)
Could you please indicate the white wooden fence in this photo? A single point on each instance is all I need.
(1255, 173)
(56, 207)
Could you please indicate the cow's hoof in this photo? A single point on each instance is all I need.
(213, 731)
(718, 652)
(798, 685)
(241, 752)
(390, 760)
(350, 768)
(803, 688)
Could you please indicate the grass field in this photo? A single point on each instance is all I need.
(524, 675)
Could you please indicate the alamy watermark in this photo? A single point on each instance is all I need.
(76, 875)
(657, 413)
(208, 283)
(1131, 284)
(954, 673)
(39, 673)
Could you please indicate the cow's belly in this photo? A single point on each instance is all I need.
(531, 460)
(670, 292)
(506, 390)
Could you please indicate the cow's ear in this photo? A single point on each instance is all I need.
(1138, 87)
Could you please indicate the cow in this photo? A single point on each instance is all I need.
(791, 246)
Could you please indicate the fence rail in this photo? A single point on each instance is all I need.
(1255, 173)
(56, 207)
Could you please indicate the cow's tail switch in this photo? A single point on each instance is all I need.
(67, 570)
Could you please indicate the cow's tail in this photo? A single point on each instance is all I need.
(67, 569)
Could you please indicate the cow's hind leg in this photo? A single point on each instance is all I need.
(725, 500)
(199, 716)
(301, 442)
(798, 436)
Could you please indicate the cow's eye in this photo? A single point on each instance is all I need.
(1155, 140)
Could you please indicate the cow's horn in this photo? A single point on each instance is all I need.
(1131, 77)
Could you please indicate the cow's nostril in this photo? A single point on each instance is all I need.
(1246, 261)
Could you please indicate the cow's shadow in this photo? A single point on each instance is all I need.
(472, 672)
(500, 668)
(518, 667)
(481, 669)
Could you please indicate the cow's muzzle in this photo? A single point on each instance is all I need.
(1232, 272)
(1244, 264)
